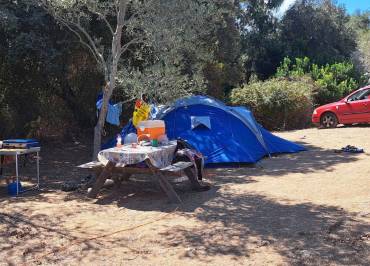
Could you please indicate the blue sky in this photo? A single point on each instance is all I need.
(353, 5)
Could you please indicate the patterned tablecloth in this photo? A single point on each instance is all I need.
(160, 157)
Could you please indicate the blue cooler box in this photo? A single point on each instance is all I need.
(12, 188)
(20, 143)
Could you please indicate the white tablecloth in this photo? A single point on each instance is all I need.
(160, 157)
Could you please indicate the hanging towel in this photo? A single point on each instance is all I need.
(114, 112)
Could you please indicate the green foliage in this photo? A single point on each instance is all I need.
(173, 62)
(277, 103)
(261, 46)
(300, 67)
(361, 56)
(47, 84)
(225, 71)
(318, 30)
(187, 58)
(333, 81)
(360, 23)
(49, 81)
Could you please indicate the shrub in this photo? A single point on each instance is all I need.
(278, 103)
(6, 125)
(333, 81)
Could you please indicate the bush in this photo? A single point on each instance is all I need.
(6, 125)
(278, 103)
(333, 81)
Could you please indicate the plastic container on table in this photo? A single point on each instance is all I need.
(153, 128)
(130, 138)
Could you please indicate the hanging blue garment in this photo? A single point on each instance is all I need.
(153, 111)
(114, 110)
(99, 101)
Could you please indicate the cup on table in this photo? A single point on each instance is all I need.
(154, 142)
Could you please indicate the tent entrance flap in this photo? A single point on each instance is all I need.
(197, 121)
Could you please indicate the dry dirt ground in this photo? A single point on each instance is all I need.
(310, 208)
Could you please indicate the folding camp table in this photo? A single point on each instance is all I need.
(18, 152)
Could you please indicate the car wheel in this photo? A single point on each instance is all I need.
(329, 120)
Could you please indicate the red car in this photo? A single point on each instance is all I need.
(355, 108)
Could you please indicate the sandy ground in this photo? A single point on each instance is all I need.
(311, 208)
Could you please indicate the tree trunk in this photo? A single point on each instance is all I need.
(107, 93)
(97, 140)
(101, 120)
(111, 77)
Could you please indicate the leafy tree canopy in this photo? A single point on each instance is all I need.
(318, 30)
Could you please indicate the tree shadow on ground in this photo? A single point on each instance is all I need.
(28, 239)
(58, 164)
(228, 222)
(313, 160)
(357, 125)
(32, 196)
(238, 225)
(141, 193)
(132, 194)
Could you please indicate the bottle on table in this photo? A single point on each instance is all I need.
(119, 141)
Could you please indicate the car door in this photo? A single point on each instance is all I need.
(367, 106)
(357, 108)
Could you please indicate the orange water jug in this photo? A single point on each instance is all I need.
(153, 128)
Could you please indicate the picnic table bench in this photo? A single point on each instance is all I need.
(115, 160)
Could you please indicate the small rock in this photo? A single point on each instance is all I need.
(305, 254)
(264, 243)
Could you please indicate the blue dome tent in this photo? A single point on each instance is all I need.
(222, 133)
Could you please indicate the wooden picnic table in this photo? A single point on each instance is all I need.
(156, 161)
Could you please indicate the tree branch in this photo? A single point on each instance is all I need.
(80, 33)
(105, 20)
(125, 47)
(139, 11)
(89, 38)
(116, 44)
(83, 43)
